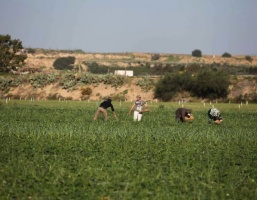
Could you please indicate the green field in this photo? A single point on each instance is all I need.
(54, 150)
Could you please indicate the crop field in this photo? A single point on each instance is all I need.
(54, 150)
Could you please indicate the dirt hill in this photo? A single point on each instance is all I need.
(43, 61)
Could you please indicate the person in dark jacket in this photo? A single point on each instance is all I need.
(102, 109)
(184, 115)
(214, 115)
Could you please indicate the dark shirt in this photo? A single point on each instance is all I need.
(181, 113)
(106, 104)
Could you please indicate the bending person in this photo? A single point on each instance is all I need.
(214, 115)
(183, 115)
(102, 109)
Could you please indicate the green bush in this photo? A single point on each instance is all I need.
(41, 80)
(211, 84)
(97, 69)
(146, 83)
(31, 50)
(5, 83)
(206, 84)
(249, 58)
(64, 63)
(253, 70)
(168, 86)
(155, 57)
(115, 81)
(226, 55)
(197, 53)
(89, 79)
(54, 96)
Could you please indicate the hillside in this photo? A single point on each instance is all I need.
(43, 61)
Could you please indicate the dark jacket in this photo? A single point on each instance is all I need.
(106, 104)
(181, 113)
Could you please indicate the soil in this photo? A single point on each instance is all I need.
(43, 62)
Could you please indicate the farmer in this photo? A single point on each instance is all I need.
(214, 115)
(102, 109)
(184, 115)
(139, 108)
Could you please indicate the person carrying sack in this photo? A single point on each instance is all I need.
(184, 115)
(214, 115)
(139, 108)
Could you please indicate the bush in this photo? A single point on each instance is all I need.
(226, 55)
(68, 81)
(249, 58)
(97, 69)
(41, 80)
(253, 70)
(146, 84)
(197, 53)
(64, 63)
(30, 50)
(155, 57)
(54, 96)
(211, 84)
(167, 87)
(5, 83)
(86, 91)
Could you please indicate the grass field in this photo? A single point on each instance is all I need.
(54, 150)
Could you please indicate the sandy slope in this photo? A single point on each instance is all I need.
(44, 62)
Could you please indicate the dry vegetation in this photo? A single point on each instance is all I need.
(43, 61)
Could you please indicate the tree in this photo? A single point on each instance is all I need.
(211, 84)
(197, 53)
(168, 86)
(64, 63)
(12, 56)
(249, 58)
(226, 55)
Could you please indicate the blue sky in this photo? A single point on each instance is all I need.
(151, 26)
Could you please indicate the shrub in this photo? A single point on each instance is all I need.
(86, 91)
(88, 79)
(146, 83)
(253, 70)
(31, 50)
(41, 80)
(64, 63)
(226, 55)
(249, 58)
(97, 69)
(155, 57)
(211, 84)
(5, 83)
(115, 81)
(167, 87)
(54, 96)
(68, 81)
(197, 53)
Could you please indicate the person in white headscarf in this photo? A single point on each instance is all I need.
(214, 115)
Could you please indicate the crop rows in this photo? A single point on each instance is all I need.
(54, 150)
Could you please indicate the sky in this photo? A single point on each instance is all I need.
(148, 26)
